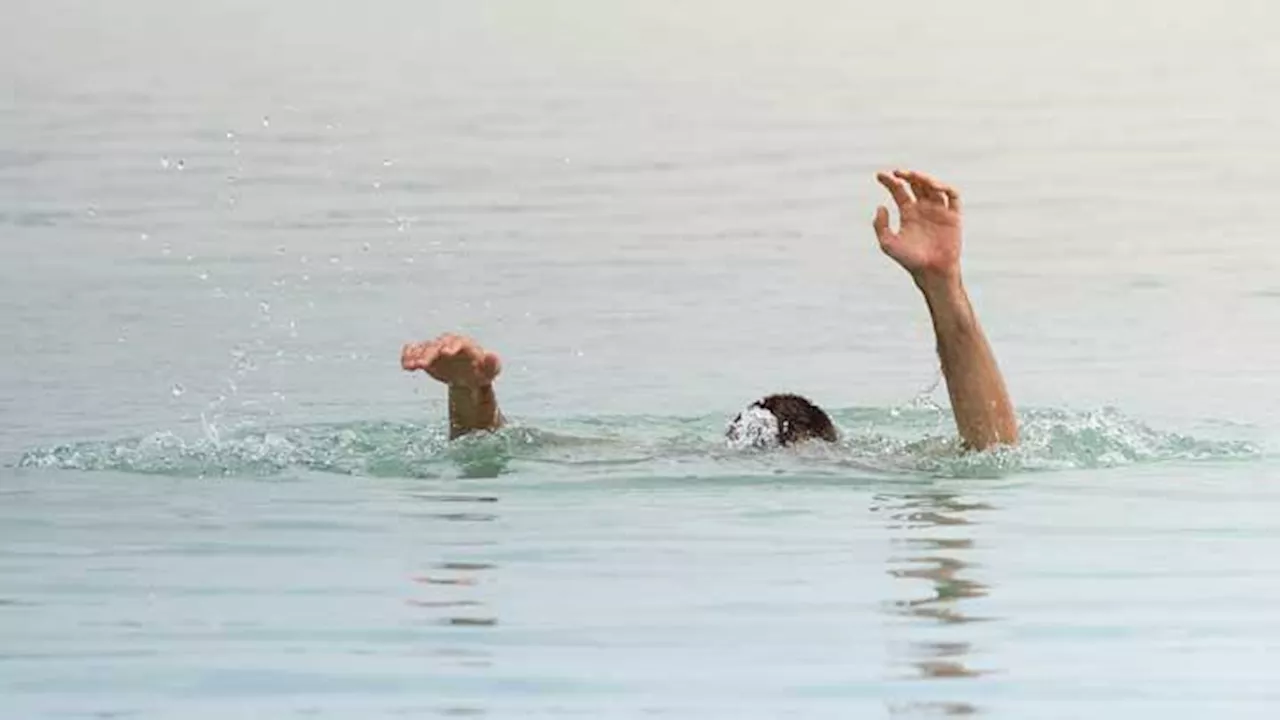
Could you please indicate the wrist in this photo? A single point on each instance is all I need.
(939, 283)
(948, 303)
(471, 390)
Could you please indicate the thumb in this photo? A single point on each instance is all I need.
(881, 225)
(491, 365)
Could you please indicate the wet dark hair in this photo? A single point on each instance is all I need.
(798, 419)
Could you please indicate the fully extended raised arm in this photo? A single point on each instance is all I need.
(927, 244)
(469, 371)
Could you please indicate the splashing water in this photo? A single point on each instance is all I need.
(912, 441)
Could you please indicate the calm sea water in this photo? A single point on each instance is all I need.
(219, 496)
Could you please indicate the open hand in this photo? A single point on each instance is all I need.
(927, 244)
(454, 360)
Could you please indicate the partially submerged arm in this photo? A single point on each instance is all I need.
(469, 371)
(927, 245)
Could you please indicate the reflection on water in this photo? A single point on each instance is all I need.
(449, 592)
(944, 709)
(931, 531)
(454, 515)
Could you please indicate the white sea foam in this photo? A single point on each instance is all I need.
(875, 440)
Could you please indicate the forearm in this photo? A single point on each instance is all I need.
(472, 409)
(983, 411)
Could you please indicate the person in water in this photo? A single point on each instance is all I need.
(926, 244)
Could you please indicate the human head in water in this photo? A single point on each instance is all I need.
(780, 420)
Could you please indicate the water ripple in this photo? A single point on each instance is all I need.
(876, 441)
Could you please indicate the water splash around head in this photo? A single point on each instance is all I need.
(913, 441)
